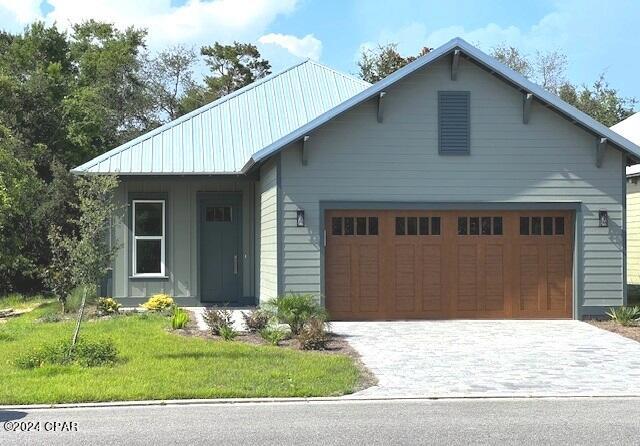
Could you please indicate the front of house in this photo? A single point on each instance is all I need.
(454, 188)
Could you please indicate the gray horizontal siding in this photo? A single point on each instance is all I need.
(268, 237)
(355, 158)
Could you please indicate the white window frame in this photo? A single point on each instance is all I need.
(148, 237)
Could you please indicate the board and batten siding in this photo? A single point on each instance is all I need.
(633, 231)
(355, 158)
(181, 256)
(268, 230)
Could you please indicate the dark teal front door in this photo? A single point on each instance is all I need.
(221, 249)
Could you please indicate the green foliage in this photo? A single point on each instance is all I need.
(377, 63)
(624, 316)
(217, 319)
(107, 305)
(87, 353)
(232, 67)
(313, 335)
(158, 302)
(295, 310)
(20, 193)
(273, 334)
(228, 333)
(255, 320)
(179, 318)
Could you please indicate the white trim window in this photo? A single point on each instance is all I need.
(148, 223)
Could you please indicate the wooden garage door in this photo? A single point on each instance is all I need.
(450, 264)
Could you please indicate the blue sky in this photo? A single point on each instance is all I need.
(596, 36)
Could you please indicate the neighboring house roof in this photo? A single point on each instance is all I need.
(220, 137)
(484, 60)
(238, 131)
(630, 129)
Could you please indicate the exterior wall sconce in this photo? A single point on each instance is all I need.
(603, 218)
(300, 219)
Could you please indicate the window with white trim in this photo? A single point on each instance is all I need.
(148, 237)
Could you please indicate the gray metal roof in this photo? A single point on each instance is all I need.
(220, 137)
(484, 60)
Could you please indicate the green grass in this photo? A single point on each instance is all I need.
(20, 302)
(157, 364)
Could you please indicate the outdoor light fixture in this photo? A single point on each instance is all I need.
(300, 219)
(603, 217)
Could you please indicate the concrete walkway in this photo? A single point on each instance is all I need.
(494, 358)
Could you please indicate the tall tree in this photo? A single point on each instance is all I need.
(170, 75)
(377, 63)
(600, 101)
(232, 67)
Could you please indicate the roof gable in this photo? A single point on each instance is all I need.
(220, 137)
(484, 60)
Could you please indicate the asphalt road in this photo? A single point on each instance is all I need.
(508, 421)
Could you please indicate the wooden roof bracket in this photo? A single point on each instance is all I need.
(303, 150)
(455, 63)
(381, 96)
(601, 146)
(526, 107)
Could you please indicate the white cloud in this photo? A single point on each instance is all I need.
(306, 47)
(21, 11)
(196, 22)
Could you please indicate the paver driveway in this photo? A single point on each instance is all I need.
(494, 358)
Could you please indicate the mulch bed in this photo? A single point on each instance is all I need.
(335, 345)
(632, 332)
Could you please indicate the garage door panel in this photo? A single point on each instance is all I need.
(368, 278)
(433, 293)
(339, 287)
(494, 278)
(460, 264)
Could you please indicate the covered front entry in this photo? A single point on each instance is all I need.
(448, 264)
(220, 246)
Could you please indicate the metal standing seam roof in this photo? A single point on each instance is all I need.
(220, 137)
(492, 65)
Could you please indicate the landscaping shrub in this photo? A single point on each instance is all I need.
(179, 318)
(624, 316)
(107, 306)
(273, 334)
(87, 353)
(228, 333)
(255, 320)
(158, 302)
(217, 318)
(313, 335)
(296, 309)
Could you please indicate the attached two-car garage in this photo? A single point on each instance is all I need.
(400, 264)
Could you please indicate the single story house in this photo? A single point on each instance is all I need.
(630, 129)
(453, 188)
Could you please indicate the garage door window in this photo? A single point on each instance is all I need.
(417, 225)
(479, 225)
(354, 226)
(542, 226)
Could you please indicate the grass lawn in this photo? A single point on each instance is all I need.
(157, 364)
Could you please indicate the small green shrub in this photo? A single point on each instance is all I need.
(217, 318)
(313, 335)
(158, 302)
(296, 309)
(255, 320)
(87, 353)
(624, 316)
(107, 306)
(228, 333)
(179, 318)
(273, 334)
